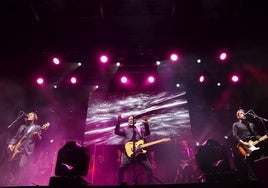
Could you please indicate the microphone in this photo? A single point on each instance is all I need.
(250, 113)
(24, 114)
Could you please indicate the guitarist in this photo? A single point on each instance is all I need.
(131, 133)
(244, 132)
(186, 160)
(22, 146)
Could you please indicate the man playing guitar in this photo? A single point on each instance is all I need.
(22, 146)
(133, 135)
(247, 137)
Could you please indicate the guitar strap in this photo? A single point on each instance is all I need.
(249, 128)
(138, 131)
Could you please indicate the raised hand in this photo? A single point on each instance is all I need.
(144, 119)
(119, 117)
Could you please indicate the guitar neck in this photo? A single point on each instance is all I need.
(151, 143)
(260, 140)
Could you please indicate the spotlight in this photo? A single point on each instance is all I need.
(40, 81)
(73, 80)
(174, 57)
(201, 78)
(235, 78)
(124, 79)
(72, 163)
(56, 61)
(150, 79)
(104, 59)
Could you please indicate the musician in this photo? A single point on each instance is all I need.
(131, 133)
(244, 132)
(22, 146)
(185, 169)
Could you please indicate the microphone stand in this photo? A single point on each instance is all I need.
(261, 119)
(20, 116)
(8, 136)
(134, 153)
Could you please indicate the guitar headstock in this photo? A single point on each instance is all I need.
(45, 126)
(166, 139)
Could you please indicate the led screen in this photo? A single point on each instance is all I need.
(167, 112)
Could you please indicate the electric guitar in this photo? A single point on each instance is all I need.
(247, 150)
(16, 149)
(132, 151)
(187, 162)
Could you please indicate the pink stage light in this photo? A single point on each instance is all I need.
(223, 56)
(124, 79)
(201, 78)
(174, 57)
(235, 78)
(73, 80)
(40, 81)
(56, 61)
(104, 59)
(151, 79)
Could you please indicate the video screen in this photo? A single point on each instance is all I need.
(167, 113)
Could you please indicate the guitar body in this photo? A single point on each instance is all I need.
(16, 150)
(132, 151)
(246, 151)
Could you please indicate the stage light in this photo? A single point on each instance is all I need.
(201, 78)
(223, 56)
(235, 78)
(158, 63)
(56, 61)
(71, 165)
(73, 80)
(118, 64)
(40, 81)
(104, 59)
(150, 79)
(174, 57)
(124, 79)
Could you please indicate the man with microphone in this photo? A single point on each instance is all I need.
(248, 139)
(22, 146)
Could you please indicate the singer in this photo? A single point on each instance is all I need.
(21, 149)
(133, 135)
(248, 142)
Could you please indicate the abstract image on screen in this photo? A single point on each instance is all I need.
(167, 112)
